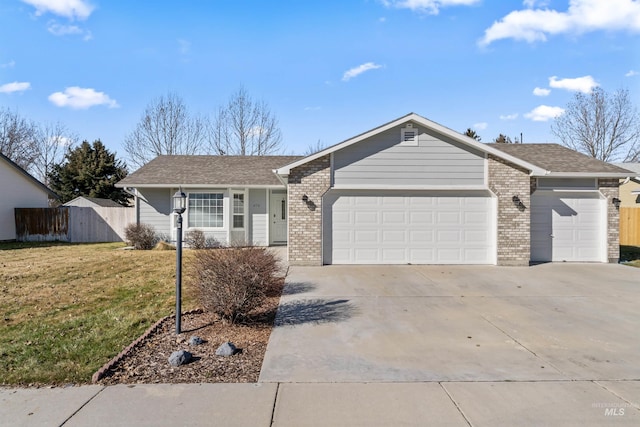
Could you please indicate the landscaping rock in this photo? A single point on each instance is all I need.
(194, 340)
(226, 349)
(180, 357)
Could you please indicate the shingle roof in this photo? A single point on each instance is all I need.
(634, 167)
(558, 159)
(105, 203)
(173, 171)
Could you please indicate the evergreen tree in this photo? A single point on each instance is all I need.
(89, 170)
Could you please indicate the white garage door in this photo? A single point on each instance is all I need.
(567, 226)
(409, 227)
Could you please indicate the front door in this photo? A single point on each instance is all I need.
(278, 218)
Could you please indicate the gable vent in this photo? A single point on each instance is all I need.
(409, 135)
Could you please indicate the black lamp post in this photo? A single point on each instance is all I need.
(179, 206)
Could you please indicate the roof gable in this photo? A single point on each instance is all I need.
(28, 176)
(421, 121)
(208, 171)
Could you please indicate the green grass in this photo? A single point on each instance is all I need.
(65, 310)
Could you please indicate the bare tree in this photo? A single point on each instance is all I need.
(18, 138)
(52, 142)
(314, 148)
(166, 127)
(602, 125)
(245, 127)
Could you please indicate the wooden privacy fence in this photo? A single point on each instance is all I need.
(73, 224)
(630, 226)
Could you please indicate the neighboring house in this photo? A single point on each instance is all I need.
(410, 191)
(630, 188)
(93, 202)
(18, 190)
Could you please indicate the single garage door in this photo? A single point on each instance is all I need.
(374, 227)
(568, 226)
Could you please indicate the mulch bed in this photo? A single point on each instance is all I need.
(147, 361)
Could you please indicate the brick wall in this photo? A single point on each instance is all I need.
(312, 179)
(514, 222)
(609, 188)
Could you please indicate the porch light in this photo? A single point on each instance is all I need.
(616, 202)
(179, 202)
(305, 198)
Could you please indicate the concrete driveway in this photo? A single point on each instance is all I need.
(552, 322)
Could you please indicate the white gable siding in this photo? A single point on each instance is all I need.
(382, 160)
(16, 191)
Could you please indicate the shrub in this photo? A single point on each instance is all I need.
(232, 282)
(141, 236)
(195, 239)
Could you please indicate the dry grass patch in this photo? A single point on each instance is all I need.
(67, 309)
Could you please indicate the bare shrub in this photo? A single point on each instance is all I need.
(232, 282)
(141, 236)
(195, 239)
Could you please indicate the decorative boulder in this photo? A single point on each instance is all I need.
(194, 340)
(226, 349)
(180, 357)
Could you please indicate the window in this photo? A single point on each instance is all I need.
(206, 210)
(409, 135)
(238, 210)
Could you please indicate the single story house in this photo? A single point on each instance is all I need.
(630, 188)
(408, 192)
(19, 190)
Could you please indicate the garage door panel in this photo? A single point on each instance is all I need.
(419, 228)
(567, 226)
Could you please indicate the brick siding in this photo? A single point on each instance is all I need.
(609, 188)
(507, 180)
(312, 179)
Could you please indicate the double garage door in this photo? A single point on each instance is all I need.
(568, 226)
(409, 227)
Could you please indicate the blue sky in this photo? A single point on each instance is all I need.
(328, 69)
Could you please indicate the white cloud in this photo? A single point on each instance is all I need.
(533, 3)
(15, 87)
(79, 98)
(9, 64)
(65, 30)
(541, 91)
(480, 126)
(432, 7)
(71, 9)
(356, 71)
(582, 16)
(509, 116)
(544, 113)
(631, 73)
(583, 84)
(185, 46)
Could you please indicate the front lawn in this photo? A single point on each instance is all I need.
(65, 309)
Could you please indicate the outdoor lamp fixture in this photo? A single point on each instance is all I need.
(305, 198)
(179, 206)
(516, 201)
(616, 202)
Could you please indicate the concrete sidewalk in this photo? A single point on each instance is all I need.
(579, 403)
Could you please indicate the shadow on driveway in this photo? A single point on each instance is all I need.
(314, 311)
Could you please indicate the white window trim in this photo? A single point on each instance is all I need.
(232, 214)
(413, 142)
(225, 203)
